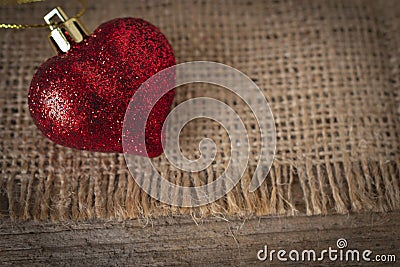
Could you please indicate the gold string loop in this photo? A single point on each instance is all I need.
(31, 26)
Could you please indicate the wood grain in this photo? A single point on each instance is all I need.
(184, 241)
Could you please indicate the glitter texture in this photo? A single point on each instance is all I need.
(79, 99)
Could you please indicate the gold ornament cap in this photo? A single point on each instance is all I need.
(67, 26)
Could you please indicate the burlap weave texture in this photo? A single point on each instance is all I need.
(330, 69)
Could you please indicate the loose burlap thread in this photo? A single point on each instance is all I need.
(330, 70)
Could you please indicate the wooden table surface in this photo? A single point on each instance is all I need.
(185, 241)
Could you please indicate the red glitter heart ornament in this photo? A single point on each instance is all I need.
(78, 99)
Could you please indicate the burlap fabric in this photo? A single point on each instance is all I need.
(330, 69)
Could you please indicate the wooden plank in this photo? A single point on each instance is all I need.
(182, 241)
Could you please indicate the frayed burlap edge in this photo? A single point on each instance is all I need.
(325, 188)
